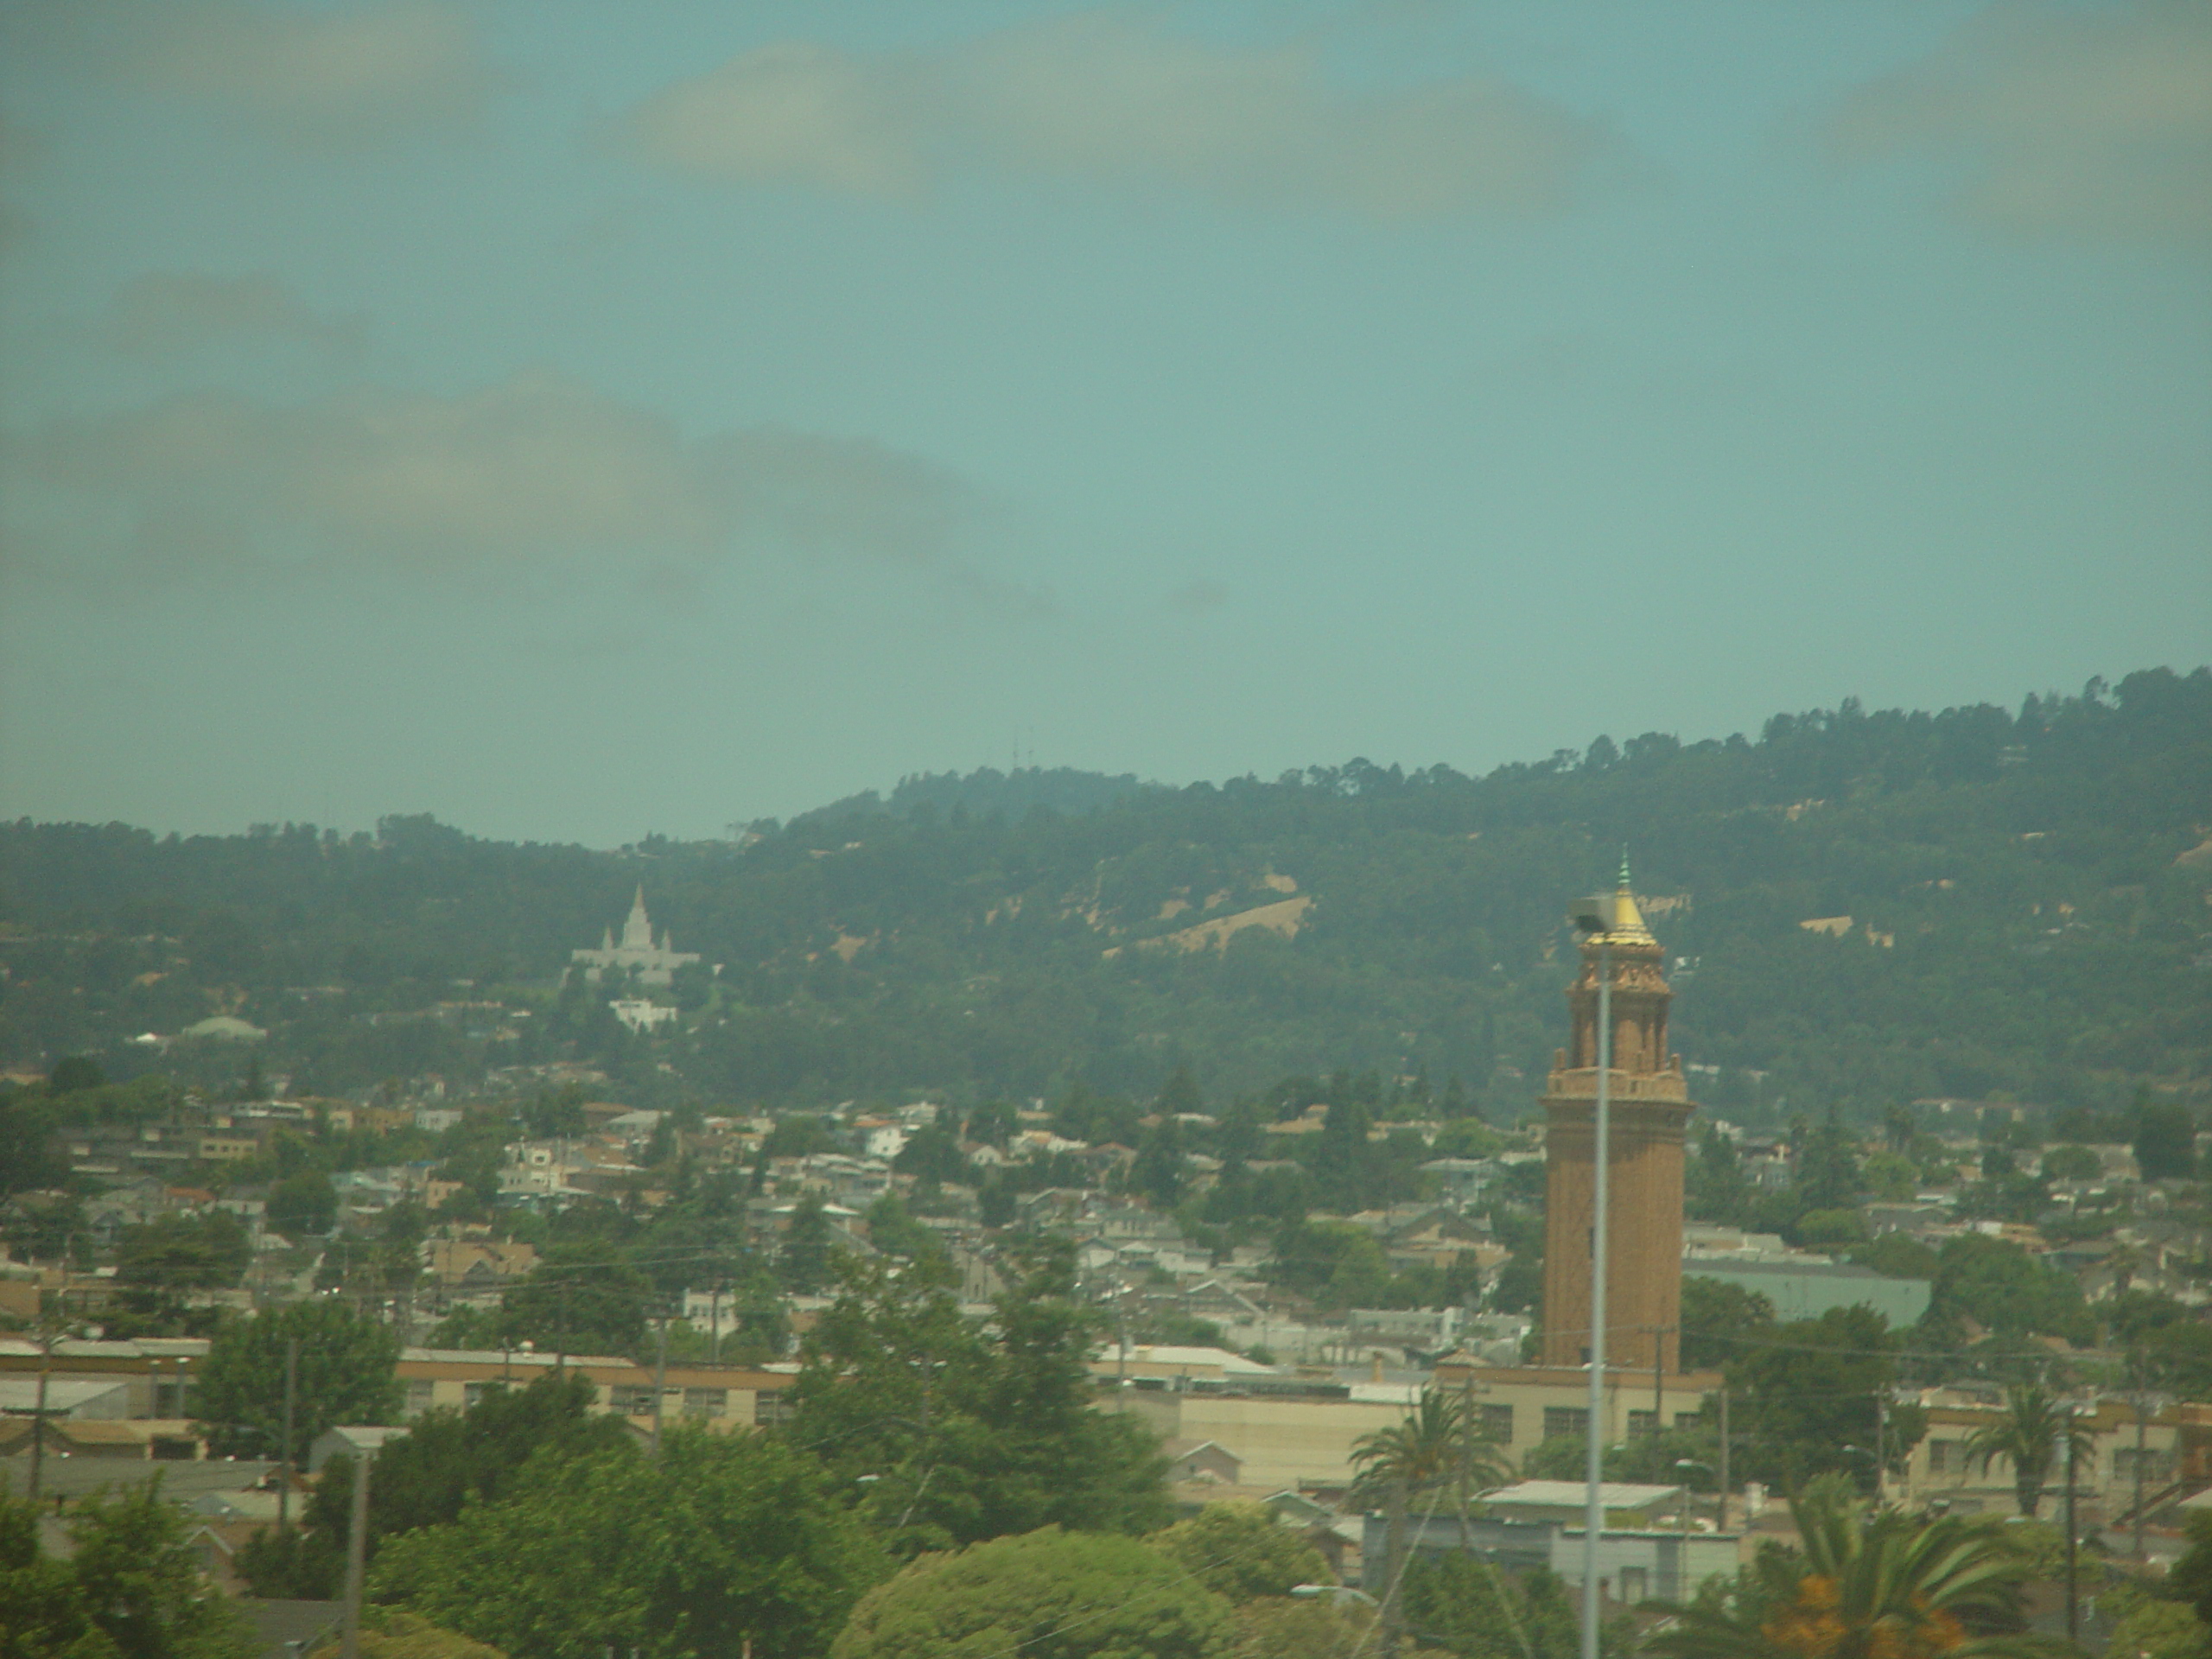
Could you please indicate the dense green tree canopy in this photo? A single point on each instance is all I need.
(2191, 1578)
(2000, 1287)
(129, 1587)
(303, 1203)
(1241, 1551)
(725, 1538)
(348, 1373)
(1047, 1594)
(2165, 1142)
(1805, 1399)
(158, 1265)
(446, 1459)
(1466, 1606)
(971, 1431)
(1716, 1317)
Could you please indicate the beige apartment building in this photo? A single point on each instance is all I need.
(2173, 1448)
(1284, 1438)
(1522, 1407)
(721, 1397)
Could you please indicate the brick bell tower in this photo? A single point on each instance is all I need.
(1649, 1107)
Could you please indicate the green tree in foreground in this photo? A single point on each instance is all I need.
(581, 1300)
(158, 1265)
(1864, 1584)
(726, 1538)
(972, 1432)
(2165, 1140)
(389, 1634)
(2191, 1578)
(303, 1203)
(1717, 1316)
(129, 1590)
(450, 1458)
(348, 1373)
(1048, 1595)
(1323, 1628)
(1806, 1392)
(447, 1459)
(2035, 1431)
(2152, 1628)
(1241, 1551)
(1464, 1603)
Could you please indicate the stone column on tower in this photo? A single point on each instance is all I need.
(1649, 1107)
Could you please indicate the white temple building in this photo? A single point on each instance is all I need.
(656, 961)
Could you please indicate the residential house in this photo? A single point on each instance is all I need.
(476, 1263)
(1202, 1461)
(351, 1440)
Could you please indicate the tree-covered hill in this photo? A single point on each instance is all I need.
(2026, 897)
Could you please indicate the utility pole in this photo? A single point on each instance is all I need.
(284, 1448)
(714, 1324)
(1393, 1565)
(2139, 1478)
(660, 1383)
(2135, 1364)
(1881, 1427)
(38, 1420)
(1120, 1352)
(357, 1542)
(1724, 1457)
(2073, 1612)
(1658, 1362)
(1466, 1456)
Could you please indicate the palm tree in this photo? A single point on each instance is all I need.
(1864, 1584)
(2036, 1428)
(1436, 1445)
(1439, 1444)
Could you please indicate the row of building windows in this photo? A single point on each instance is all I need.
(1951, 1458)
(1576, 1419)
(637, 1400)
(625, 1399)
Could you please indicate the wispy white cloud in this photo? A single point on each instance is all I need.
(169, 313)
(322, 76)
(538, 471)
(1108, 96)
(2081, 122)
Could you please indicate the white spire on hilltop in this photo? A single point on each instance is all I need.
(656, 961)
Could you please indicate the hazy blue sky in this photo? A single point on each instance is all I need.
(577, 420)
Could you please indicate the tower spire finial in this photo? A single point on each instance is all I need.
(1624, 867)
